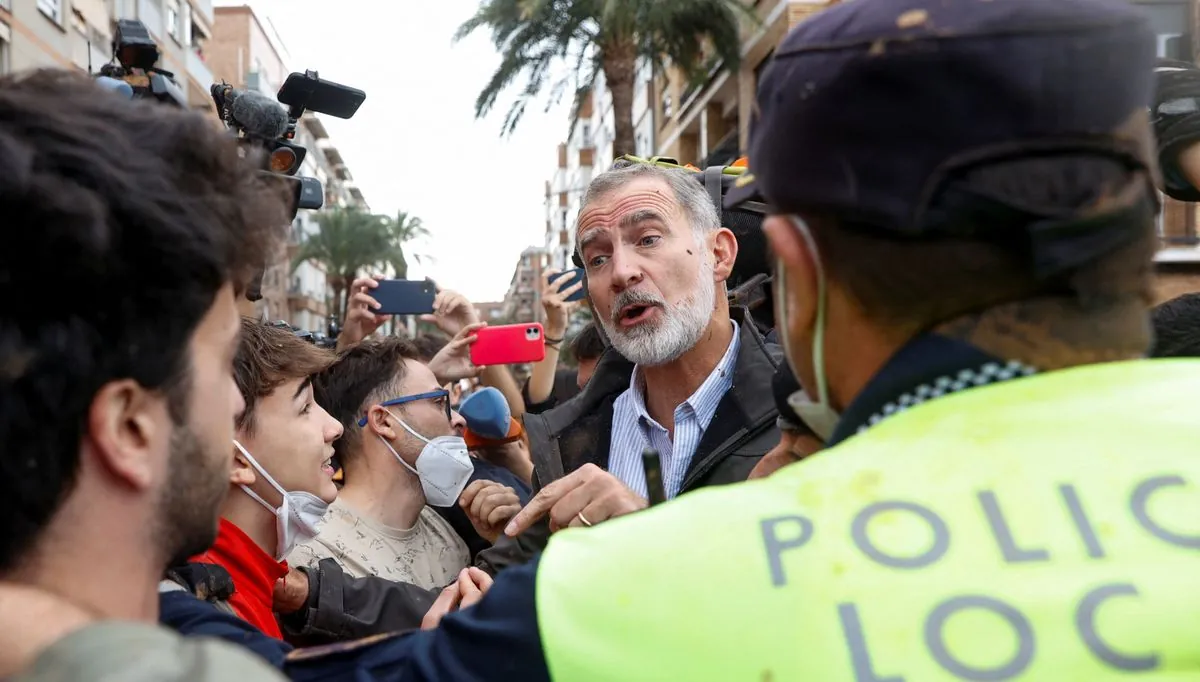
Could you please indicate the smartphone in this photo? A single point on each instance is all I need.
(510, 344)
(404, 296)
(307, 91)
(569, 278)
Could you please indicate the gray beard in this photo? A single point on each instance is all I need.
(679, 330)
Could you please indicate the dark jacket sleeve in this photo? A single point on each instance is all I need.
(509, 552)
(457, 517)
(497, 639)
(342, 608)
(193, 617)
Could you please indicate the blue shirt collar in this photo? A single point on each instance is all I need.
(707, 397)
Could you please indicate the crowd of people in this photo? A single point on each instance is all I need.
(935, 447)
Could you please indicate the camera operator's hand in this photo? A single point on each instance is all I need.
(451, 312)
(361, 321)
(470, 587)
(558, 309)
(453, 361)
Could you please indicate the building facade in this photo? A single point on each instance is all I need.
(78, 34)
(523, 302)
(249, 55)
(708, 124)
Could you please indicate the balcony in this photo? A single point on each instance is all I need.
(198, 70)
(203, 8)
(299, 300)
(256, 80)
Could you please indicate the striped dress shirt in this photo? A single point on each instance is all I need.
(633, 430)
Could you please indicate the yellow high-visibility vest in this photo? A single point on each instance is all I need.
(1045, 528)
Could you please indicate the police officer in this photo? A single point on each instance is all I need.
(963, 222)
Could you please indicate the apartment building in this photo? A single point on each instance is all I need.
(708, 124)
(248, 53)
(588, 150)
(78, 34)
(523, 302)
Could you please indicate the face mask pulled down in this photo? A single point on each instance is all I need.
(817, 413)
(298, 517)
(444, 466)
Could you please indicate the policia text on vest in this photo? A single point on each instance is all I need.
(1045, 529)
(784, 534)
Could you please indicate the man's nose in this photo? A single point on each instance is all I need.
(626, 270)
(457, 421)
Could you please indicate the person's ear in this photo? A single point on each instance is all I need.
(379, 421)
(724, 253)
(240, 471)
(796, 268)
(129, 431)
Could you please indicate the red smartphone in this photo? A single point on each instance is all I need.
(510, 344)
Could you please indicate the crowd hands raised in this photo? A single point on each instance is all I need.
(393, 511)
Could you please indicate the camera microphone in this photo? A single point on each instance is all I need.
(258, 115)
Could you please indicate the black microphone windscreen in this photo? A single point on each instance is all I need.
(260, 115)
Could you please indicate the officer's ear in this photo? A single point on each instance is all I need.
(797, 267)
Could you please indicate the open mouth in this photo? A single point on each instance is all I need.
(327, 467)
(635, 314)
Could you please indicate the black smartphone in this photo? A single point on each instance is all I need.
(307, 91)
(567, 279)
(404, 296)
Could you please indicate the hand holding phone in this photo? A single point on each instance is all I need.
(404, 297)
(510, 344)
(567, 279)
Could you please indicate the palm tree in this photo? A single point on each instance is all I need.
(602, 36)
(404, 229)
(347, 241)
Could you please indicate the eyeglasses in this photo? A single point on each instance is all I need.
(442, 395)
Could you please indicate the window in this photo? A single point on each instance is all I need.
(173, 20)
(186, 28)
(666, 106)
(1172, 46)
(585, 134)
(52, 9)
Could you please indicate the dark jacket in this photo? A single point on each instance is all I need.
(339, 607)
(578, 432)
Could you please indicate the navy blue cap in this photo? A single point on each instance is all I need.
(869, 105)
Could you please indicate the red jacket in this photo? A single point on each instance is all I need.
(254, 574)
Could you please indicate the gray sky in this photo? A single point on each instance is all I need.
(415, 144)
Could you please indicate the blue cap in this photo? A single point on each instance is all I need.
(868, 106)
(487, 413)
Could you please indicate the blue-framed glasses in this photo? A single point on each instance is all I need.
(442, 394)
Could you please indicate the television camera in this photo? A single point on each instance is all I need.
(255, 118)
(134, 72)
(260, 121)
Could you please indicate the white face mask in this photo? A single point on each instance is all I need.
(444, 466)
(818, 414)
(297, 519)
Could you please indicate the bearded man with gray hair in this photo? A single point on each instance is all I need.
(684, 375)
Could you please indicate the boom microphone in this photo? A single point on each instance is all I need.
(259, 115)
